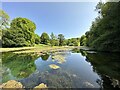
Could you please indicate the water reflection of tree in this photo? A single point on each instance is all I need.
(107, 66)
(45, 57)
(21, 65)
(77, 50)
(83, 52)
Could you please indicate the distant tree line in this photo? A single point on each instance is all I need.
(104, 34)
(20, 32)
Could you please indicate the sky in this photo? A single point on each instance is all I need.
(72, 19)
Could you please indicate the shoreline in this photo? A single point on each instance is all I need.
(36, 49)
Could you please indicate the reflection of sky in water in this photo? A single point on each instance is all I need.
(79, 66)
(75, 64)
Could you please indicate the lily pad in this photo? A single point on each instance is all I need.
(53, 66)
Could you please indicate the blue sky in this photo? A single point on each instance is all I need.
(72, 19)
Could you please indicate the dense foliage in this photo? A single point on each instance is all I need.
(83, 40)
(73, 42)
(53, 40)
(61, 39)
(44, 38)
(105, 30)
(20, 33)
(37, 39)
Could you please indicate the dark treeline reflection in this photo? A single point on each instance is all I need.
(20, 65)
(76, 50)
(45, 57)
(107, 65)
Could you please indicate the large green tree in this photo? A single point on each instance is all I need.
(37, 39)
(52, 36)
(44, 38)
(20, 33)
(23, 24)
(73, 42)
(12, 38)
(53, 40)
(61, 39)
(83, 40)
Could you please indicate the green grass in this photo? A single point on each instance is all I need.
(15, 49)
(36, 48)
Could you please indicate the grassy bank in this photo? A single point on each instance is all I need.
(15, 49)
(36, 48)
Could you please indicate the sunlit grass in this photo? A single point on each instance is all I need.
(36, 48)
(15, 49)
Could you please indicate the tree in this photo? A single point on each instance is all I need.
(65, 42)
(45, 57)
(0, 38)
(37, 39)
(11, 38)
(52, 36)
(44, 38)
(83, 40)
(26, 27)
(56, 42)
(104, 31)
(61, 39)
(53, 40)
(20, 33)
(99, 6)
(23, 24)
(4, 23)
(4, 19)
(73, 42)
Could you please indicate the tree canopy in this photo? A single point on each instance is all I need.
(20, 33)
(44, 38)
(23, 24)
(73, 42)
(61, 39)
(53, 40)
(105, 30)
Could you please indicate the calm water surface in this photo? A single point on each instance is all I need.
(79, 69)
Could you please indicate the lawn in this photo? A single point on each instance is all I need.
(36, 48)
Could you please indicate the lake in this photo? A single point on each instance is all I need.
(65, 69)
